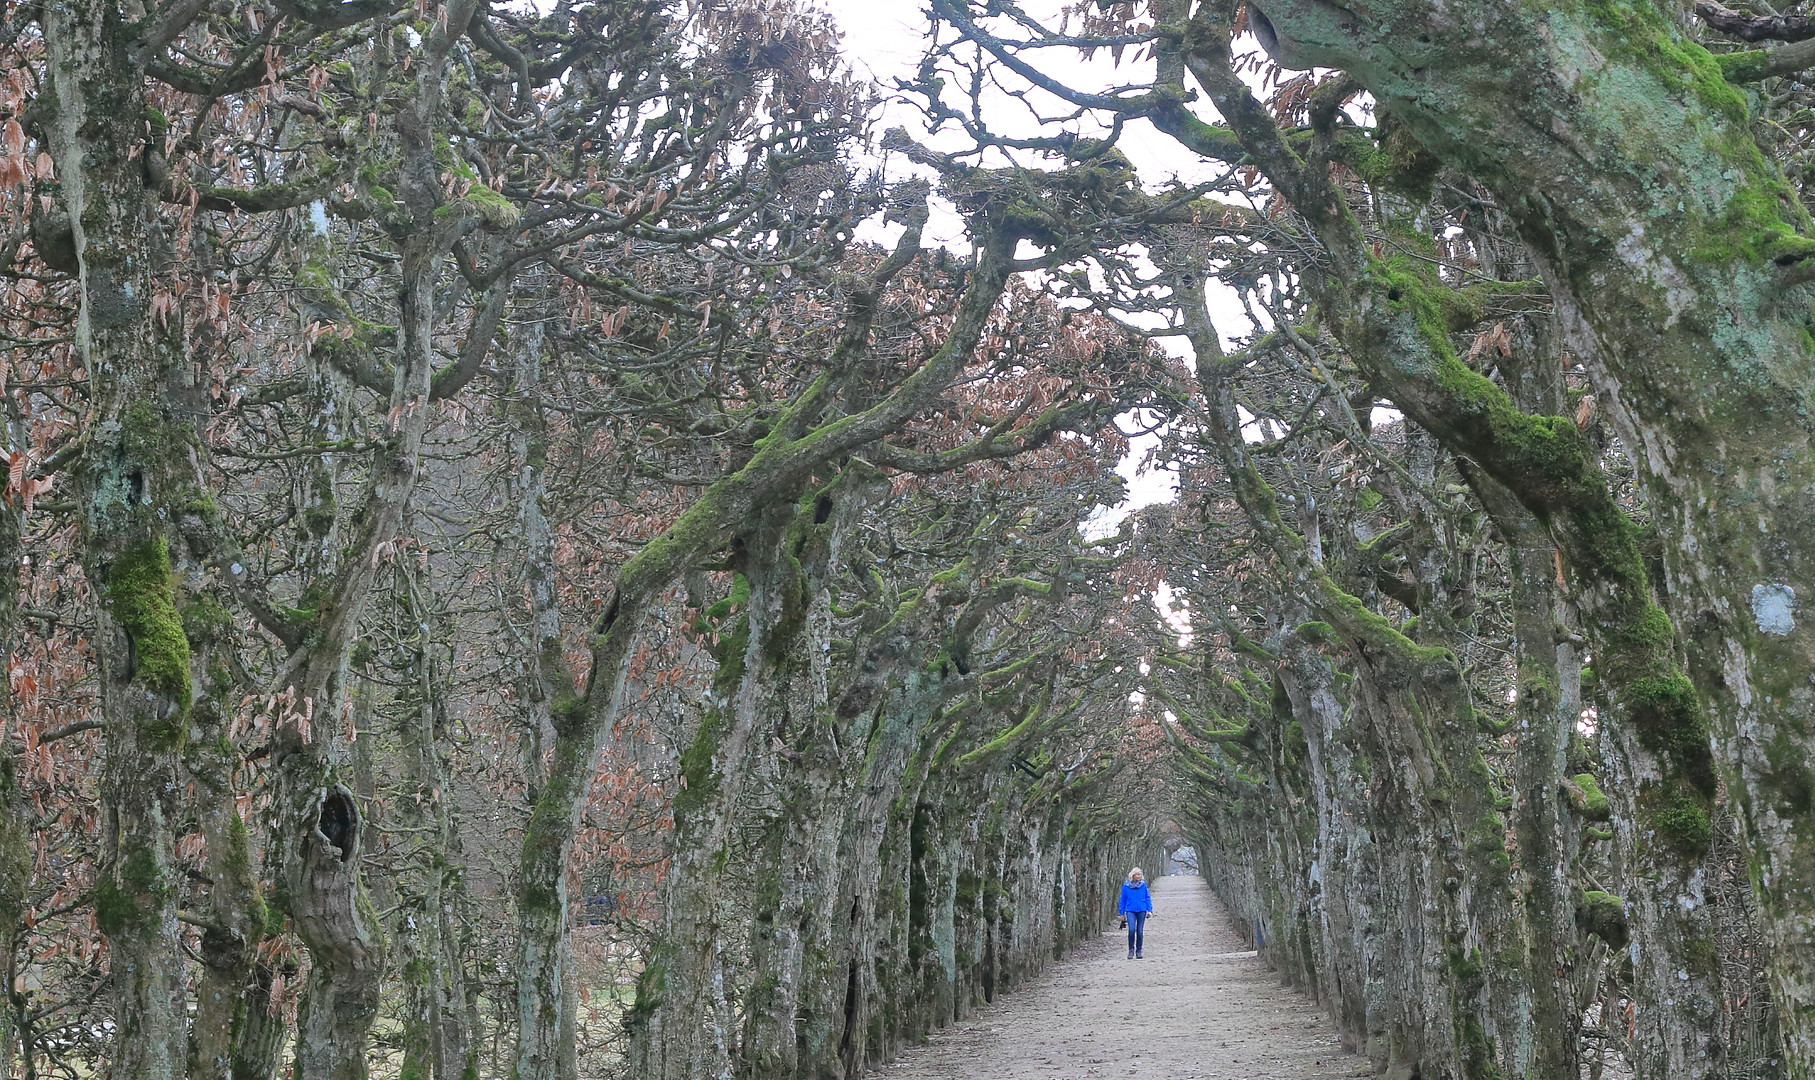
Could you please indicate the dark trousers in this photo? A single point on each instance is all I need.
(1137, 921)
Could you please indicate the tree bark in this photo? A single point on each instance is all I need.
(1345, 885)
(320, 823)
(1686, 323)
(436, 1042)
(789, 1025)
(545, 1019)
(1545, 716)
(129, 487)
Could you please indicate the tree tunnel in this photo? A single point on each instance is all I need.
(593, 540)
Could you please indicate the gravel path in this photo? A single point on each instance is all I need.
(1197, 1008)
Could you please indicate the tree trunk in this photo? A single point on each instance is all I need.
(1382, 309)
(546, 1039)
(236, 912)
(1445, 870)
(128, 487)
(436, 1043)
(1345, 884)
(1687, 324)
(15, 850)
(682, 999)
(1545, 715)
(260, 1030)
(789, 1027)
(320, 824)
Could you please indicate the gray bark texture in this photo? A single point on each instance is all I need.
(1685, 322)
(132, 480)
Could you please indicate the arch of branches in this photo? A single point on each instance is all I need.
(526, 559)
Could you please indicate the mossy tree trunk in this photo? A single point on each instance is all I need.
(1546, 712)
(788, 1026)
(1280, 741)
(1693, 328)
(429, 885)
(765, 683)
(869, 821)
(261, 1030)
(881, 976)
(885, 718)
(845, 775)
(237, 916)
(545, 1014)
(1395, 317)
(131, 487)
(1345, 887)
(320, 826)
(714, 766)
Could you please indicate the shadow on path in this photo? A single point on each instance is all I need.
(1197, 1008)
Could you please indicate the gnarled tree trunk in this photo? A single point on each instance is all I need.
(1584, 119)
(130, 488)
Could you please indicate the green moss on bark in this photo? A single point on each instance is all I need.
(129, 900)
(1398, 161)
(1603, 915)
(734, 601)
(144, 435)
(648, 995)
(1642, 35)
(1661, 702)
(1588, 799)
(142, 597)
(549, 830)
(1469, 974)
(1555, 470)
(1762, 220)
(490, 208)
(729, 652)
(205, 622)
(1318, 633)
(1679, 815)
(699, 777)
(792, 618)
(239, 864)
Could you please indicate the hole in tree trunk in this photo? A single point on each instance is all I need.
(611, 612)
(339, 822)
(849, 1043)
(822, 510)
(1263, 30)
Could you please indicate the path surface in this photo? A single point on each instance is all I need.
(1197, 1008)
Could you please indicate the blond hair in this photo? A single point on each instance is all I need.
(1136, 873)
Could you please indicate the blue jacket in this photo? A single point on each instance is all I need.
(1134, 898)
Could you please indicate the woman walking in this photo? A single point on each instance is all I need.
(1136, 904)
